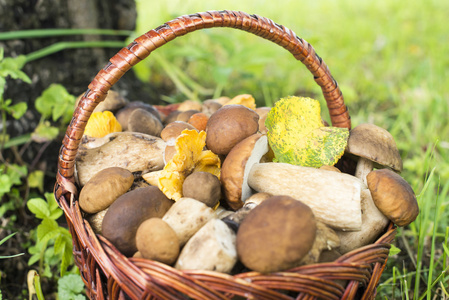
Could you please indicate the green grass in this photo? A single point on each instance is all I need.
(390, 59)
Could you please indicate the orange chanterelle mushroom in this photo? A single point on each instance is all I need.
(190, 157)
(101, 124)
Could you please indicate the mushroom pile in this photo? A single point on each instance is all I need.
(198, 186)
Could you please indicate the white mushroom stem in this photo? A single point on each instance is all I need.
(364, 166)
(187, 216)
(373, 224)
(333, 197)
(212, 248)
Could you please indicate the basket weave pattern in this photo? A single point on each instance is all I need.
(110, 275)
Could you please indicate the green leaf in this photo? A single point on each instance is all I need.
(71, 287)
(16, 172)
(34, 259)
(297, 135)
(47, 230)
(5, 184)
(44, 133)
(67, 259)
(55, 210)
(394, 250)
(56, 102)
(36, 180)
(17, 110)
(39, 208)
(10, 66)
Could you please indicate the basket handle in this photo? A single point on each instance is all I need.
(142, 46)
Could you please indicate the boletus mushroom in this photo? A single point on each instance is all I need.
(156, 240)
(135, 152)
(141, 120)
(333, 197)
(202, 186)
(236, 167)
(212, 248)
(187, 216)
(125, 215)
(230, 125)
(375, 148)
(393, 196)
(276, 235)
(103, 188)
(374, 223)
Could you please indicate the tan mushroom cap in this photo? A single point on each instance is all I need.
(393, 196)
(230, 125)
(376, 144)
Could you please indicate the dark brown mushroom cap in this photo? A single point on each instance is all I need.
(393, 196)
(125, 215)
(276, 235)
(376, 144)
(228, 126)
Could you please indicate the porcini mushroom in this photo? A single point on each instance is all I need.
(125, 215)
(156, 240)
(373, 224)
(140, 120)
(202, 186)
(212, 248)
(103, 188)
(333, 197)
(228, 126)
(276, 235)
(326, 239)
(187, 216)
(393, 196)
(375, 148)
(136, 152)
(123, 115)
(236, 167)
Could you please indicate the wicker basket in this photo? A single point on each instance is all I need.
(110, 275)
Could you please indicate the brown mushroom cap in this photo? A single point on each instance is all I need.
(393, 196)
(125, 215)
(236, 167)
(276, 235)
(210, 106)
(375, 144)
(103, 188)
(185, 115)
(140, 120)
(228, 126)
(124, 114)
(189, 105)
(156, 240)
(174, 129)
(202, 186)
